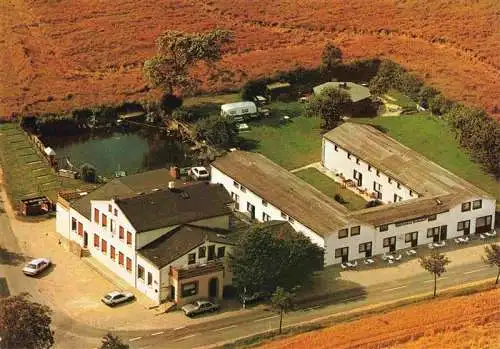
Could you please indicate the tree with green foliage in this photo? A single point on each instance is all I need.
(178, 53)
(331, 60)
(440, 105)
(112, 342)
(282, 301)
(88, 173)
(435, 264)
(392, 75)
(479, 134)
(217, 130)
(24, 324)
(264, 260)
(492, 257)
(331, 105)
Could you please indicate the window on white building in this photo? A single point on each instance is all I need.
(73, 224)
(264, 203)
(383, 227)
(202, 252)
(221, 252)
(283, 215)
(150, 279)
(192, 258)
(265, 217)
(477, 204)
(343, 233)
(140, 272)
(355, 230)
(291, 220)
(236, 184)
(189, 289)
(466, 206)
(243, 189)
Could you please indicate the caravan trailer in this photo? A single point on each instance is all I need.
(239, 111)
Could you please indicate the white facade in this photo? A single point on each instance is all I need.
(339, 160)
(263, 211)
(396, 236)
(112, 240)
(420, 226)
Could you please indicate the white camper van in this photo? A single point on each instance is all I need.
(239, 111)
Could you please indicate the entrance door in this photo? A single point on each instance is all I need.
(251, 210)
(85, 239)
(392, 244)
(213, 287)
(444, 230)
(211, 252)
(345, 255)
(483, 224)
(368, 249)
(466, 228)
(358, 177)
(435, 237)
(172, 293)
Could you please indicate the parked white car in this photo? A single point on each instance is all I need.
(36, 266)
(200, 172)
(117, 297)
(200, 307)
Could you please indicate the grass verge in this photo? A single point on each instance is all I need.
(291, 144)
(292, 330)
(331, 188)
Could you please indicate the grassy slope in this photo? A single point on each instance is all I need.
(292, 144)
(25, 171)
(432, 138)
(329, 187)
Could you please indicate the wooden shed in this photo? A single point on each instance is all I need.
(35, 206)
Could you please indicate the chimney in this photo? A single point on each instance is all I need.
(171, 185)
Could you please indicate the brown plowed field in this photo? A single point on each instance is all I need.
(91, 51)
(471, 322)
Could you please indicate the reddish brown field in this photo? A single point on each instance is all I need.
(91, 51)
(469, 322)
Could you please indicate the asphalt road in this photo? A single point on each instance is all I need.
(232, 328)
(72, 334)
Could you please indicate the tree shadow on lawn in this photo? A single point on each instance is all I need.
(11, 258)
(247, 144)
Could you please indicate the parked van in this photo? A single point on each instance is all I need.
(239, 111)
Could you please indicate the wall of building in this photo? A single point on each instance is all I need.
(261, 207)
(203, 287)
(337, 161)
(111, 236)
(152, 290)
(370, 233)
(220, 222)
(63, 221)
(147, 237)
(182, 262)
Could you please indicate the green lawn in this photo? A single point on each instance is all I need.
(290, 144)
(26, 172)
(206, 105)
(331, 188)
(433, 138)
(401, 99)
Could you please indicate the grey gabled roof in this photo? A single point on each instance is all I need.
(281, 188)
(355, 91)
(165, 208)
(124, 186)
(178, 242)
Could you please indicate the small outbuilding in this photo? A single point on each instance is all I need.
(356, 92)
(35, 206)
(278, 90)
(362, 104)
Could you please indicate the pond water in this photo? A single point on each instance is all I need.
(131, 151)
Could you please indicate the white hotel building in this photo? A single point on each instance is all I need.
(168, 243)
(423, 202)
